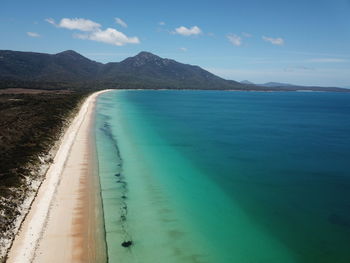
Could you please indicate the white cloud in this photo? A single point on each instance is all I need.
(109, 36)
(234, 39)
(120, 22)
(326, 60)
(184, 31)
(246, 34)
(79, 24)
(51, 21)
(161, 23)
(33, 34)
(274, 41)
(183, 49)
(94, 32)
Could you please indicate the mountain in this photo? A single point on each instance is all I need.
(69, 69)
(293, 87)
(167, 73)
(144, 70)
(276, 84)
(66, 66)
(279, 86)
(247, 82)
(268, 84)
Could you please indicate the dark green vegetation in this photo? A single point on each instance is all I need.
(70, 70)
(30, 124)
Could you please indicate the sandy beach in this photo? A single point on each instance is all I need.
(64, 222)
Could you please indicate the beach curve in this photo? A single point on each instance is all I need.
(61, 224)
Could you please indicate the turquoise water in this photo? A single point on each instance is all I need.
(205, 176)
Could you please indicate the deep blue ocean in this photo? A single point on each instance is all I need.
(217, 176)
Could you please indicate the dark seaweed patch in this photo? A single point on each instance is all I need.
(123, 207)
(127, 243)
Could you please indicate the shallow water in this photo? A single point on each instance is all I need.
(204, 176)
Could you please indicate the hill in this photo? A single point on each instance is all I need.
(276, 84)
(66, 66)
(143, 70)
(69, 69)
(166, 73)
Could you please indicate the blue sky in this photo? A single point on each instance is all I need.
(300, 42)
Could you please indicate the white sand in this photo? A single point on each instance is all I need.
(52, 231)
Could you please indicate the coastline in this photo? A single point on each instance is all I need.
(64, 221)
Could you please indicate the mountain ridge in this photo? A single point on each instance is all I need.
(273, 84)
(144, 70)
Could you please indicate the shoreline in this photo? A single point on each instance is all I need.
(64, 220)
